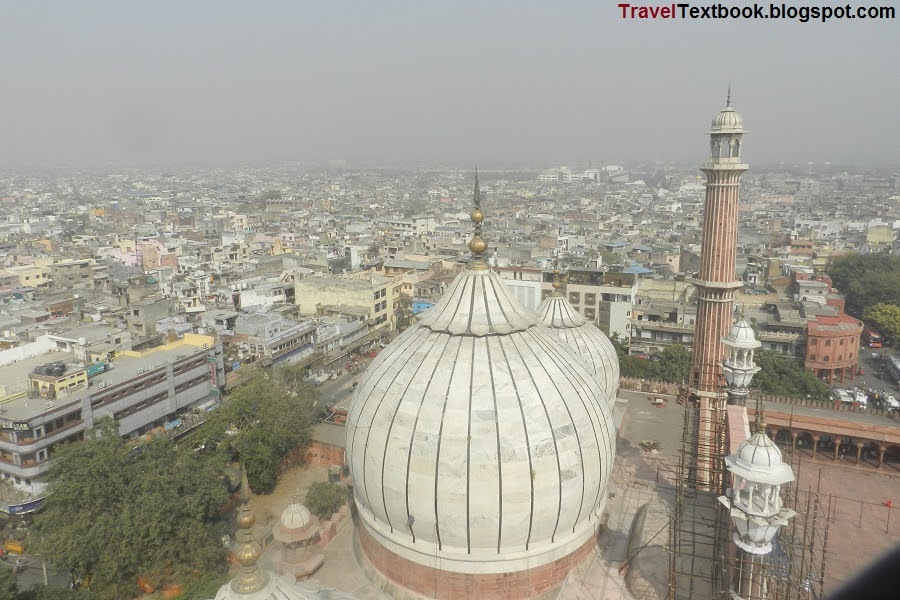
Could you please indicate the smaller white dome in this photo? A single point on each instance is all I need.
(585, 338)
(727, 121)
(758, 459)
(741, 336)
(295, 516)
(759, 451)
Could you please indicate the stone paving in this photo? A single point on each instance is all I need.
(860, 529)
(634, 483)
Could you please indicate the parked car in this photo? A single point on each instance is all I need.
(843, 395)
(890, 402)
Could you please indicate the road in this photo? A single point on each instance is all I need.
(870, 378)
(33, 574)
(338, 392)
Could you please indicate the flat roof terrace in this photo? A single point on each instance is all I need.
(124, 367)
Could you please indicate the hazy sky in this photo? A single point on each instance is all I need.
(430, 80)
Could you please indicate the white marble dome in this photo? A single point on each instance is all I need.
(295, 516)
(586, 338)
(478, 441)
(759, 459)
(727, 121)
(741, 336)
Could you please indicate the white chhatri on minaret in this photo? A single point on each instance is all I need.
(739, 366)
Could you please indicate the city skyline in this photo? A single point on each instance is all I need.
(510, 83)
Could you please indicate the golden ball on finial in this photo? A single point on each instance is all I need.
(245, 518)
(477, 245)
(477, 216)
(248, 554)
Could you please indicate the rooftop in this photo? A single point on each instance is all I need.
(124, 367)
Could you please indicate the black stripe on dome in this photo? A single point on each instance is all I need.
(412, 434)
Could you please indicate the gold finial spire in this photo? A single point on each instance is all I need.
(760, 416)
(251, 578)
(477, 245)
(557, 283)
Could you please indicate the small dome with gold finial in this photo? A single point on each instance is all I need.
(254, 583)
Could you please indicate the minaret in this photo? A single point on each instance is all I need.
(716, 280)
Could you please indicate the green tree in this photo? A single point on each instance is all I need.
(271, 195)
(629, 366)
(671, 364)
(205, 585)
(8, 587)
(323, 498)
(866, 280)
(262, 421)
(46, 592)
(609, 257)
(404, 312)
(886, 317)
(786, 376)
(114, 512)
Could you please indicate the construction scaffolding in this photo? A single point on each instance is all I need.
(702, 555)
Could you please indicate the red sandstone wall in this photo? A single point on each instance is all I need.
(324, 455)
(446, 585)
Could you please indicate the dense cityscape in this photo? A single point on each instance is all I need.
(148, 296)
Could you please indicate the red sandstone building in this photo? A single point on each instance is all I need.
(832, 336)
(832, 346)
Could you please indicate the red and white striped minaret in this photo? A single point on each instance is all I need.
(716, 280)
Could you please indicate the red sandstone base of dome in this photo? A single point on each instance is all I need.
(447, 585)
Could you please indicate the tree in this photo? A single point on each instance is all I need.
(8, 587)
(205, 585)
(786, 376)
(672, 364)
(46, 592)
(404, 312)
(866, 280)
(323, 498)
(262, 421)
(271, 195)
(114, 512)
(629, 366)
(608, 257)
(886, 317)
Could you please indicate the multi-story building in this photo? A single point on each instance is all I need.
(832, 346)
(276, 338)
(417, 225)
(262, 293)
(61, 397)
(658, 323)
(371, 293)
(31, 276)
(68, 273)
(143, 315)
(8, 280)
(604, 297)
